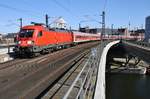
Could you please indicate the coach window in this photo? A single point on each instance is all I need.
(40, 34)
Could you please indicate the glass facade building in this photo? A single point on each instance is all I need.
(147, 29)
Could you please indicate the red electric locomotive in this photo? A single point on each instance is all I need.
(37, 38)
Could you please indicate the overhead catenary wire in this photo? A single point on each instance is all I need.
(23, 11)
(64, 8)
(105, 4)
(11, 8)
(28, 12)
(31, 5)
(11, 24)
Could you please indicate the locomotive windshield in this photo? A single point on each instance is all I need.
(26, 33)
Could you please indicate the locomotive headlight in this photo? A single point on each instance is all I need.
(30, 42)
(19, 42)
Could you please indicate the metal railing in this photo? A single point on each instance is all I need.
(140, 43)
(87, 83)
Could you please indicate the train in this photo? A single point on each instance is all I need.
(38, 38)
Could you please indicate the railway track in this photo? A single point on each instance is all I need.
(11, 63)
(55, 90)
(83, 65)
(29, 79)
(17, 61)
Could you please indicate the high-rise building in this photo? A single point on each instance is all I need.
(147, 29)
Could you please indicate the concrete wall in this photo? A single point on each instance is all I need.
(100, 85)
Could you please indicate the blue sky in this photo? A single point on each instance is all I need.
(118, 12)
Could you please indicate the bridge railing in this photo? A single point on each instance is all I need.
(87, 84)
(140, 43)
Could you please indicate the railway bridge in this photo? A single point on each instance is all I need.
(121, 49)
(77, 72)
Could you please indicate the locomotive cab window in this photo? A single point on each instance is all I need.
(26, 33)
(40, 34)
